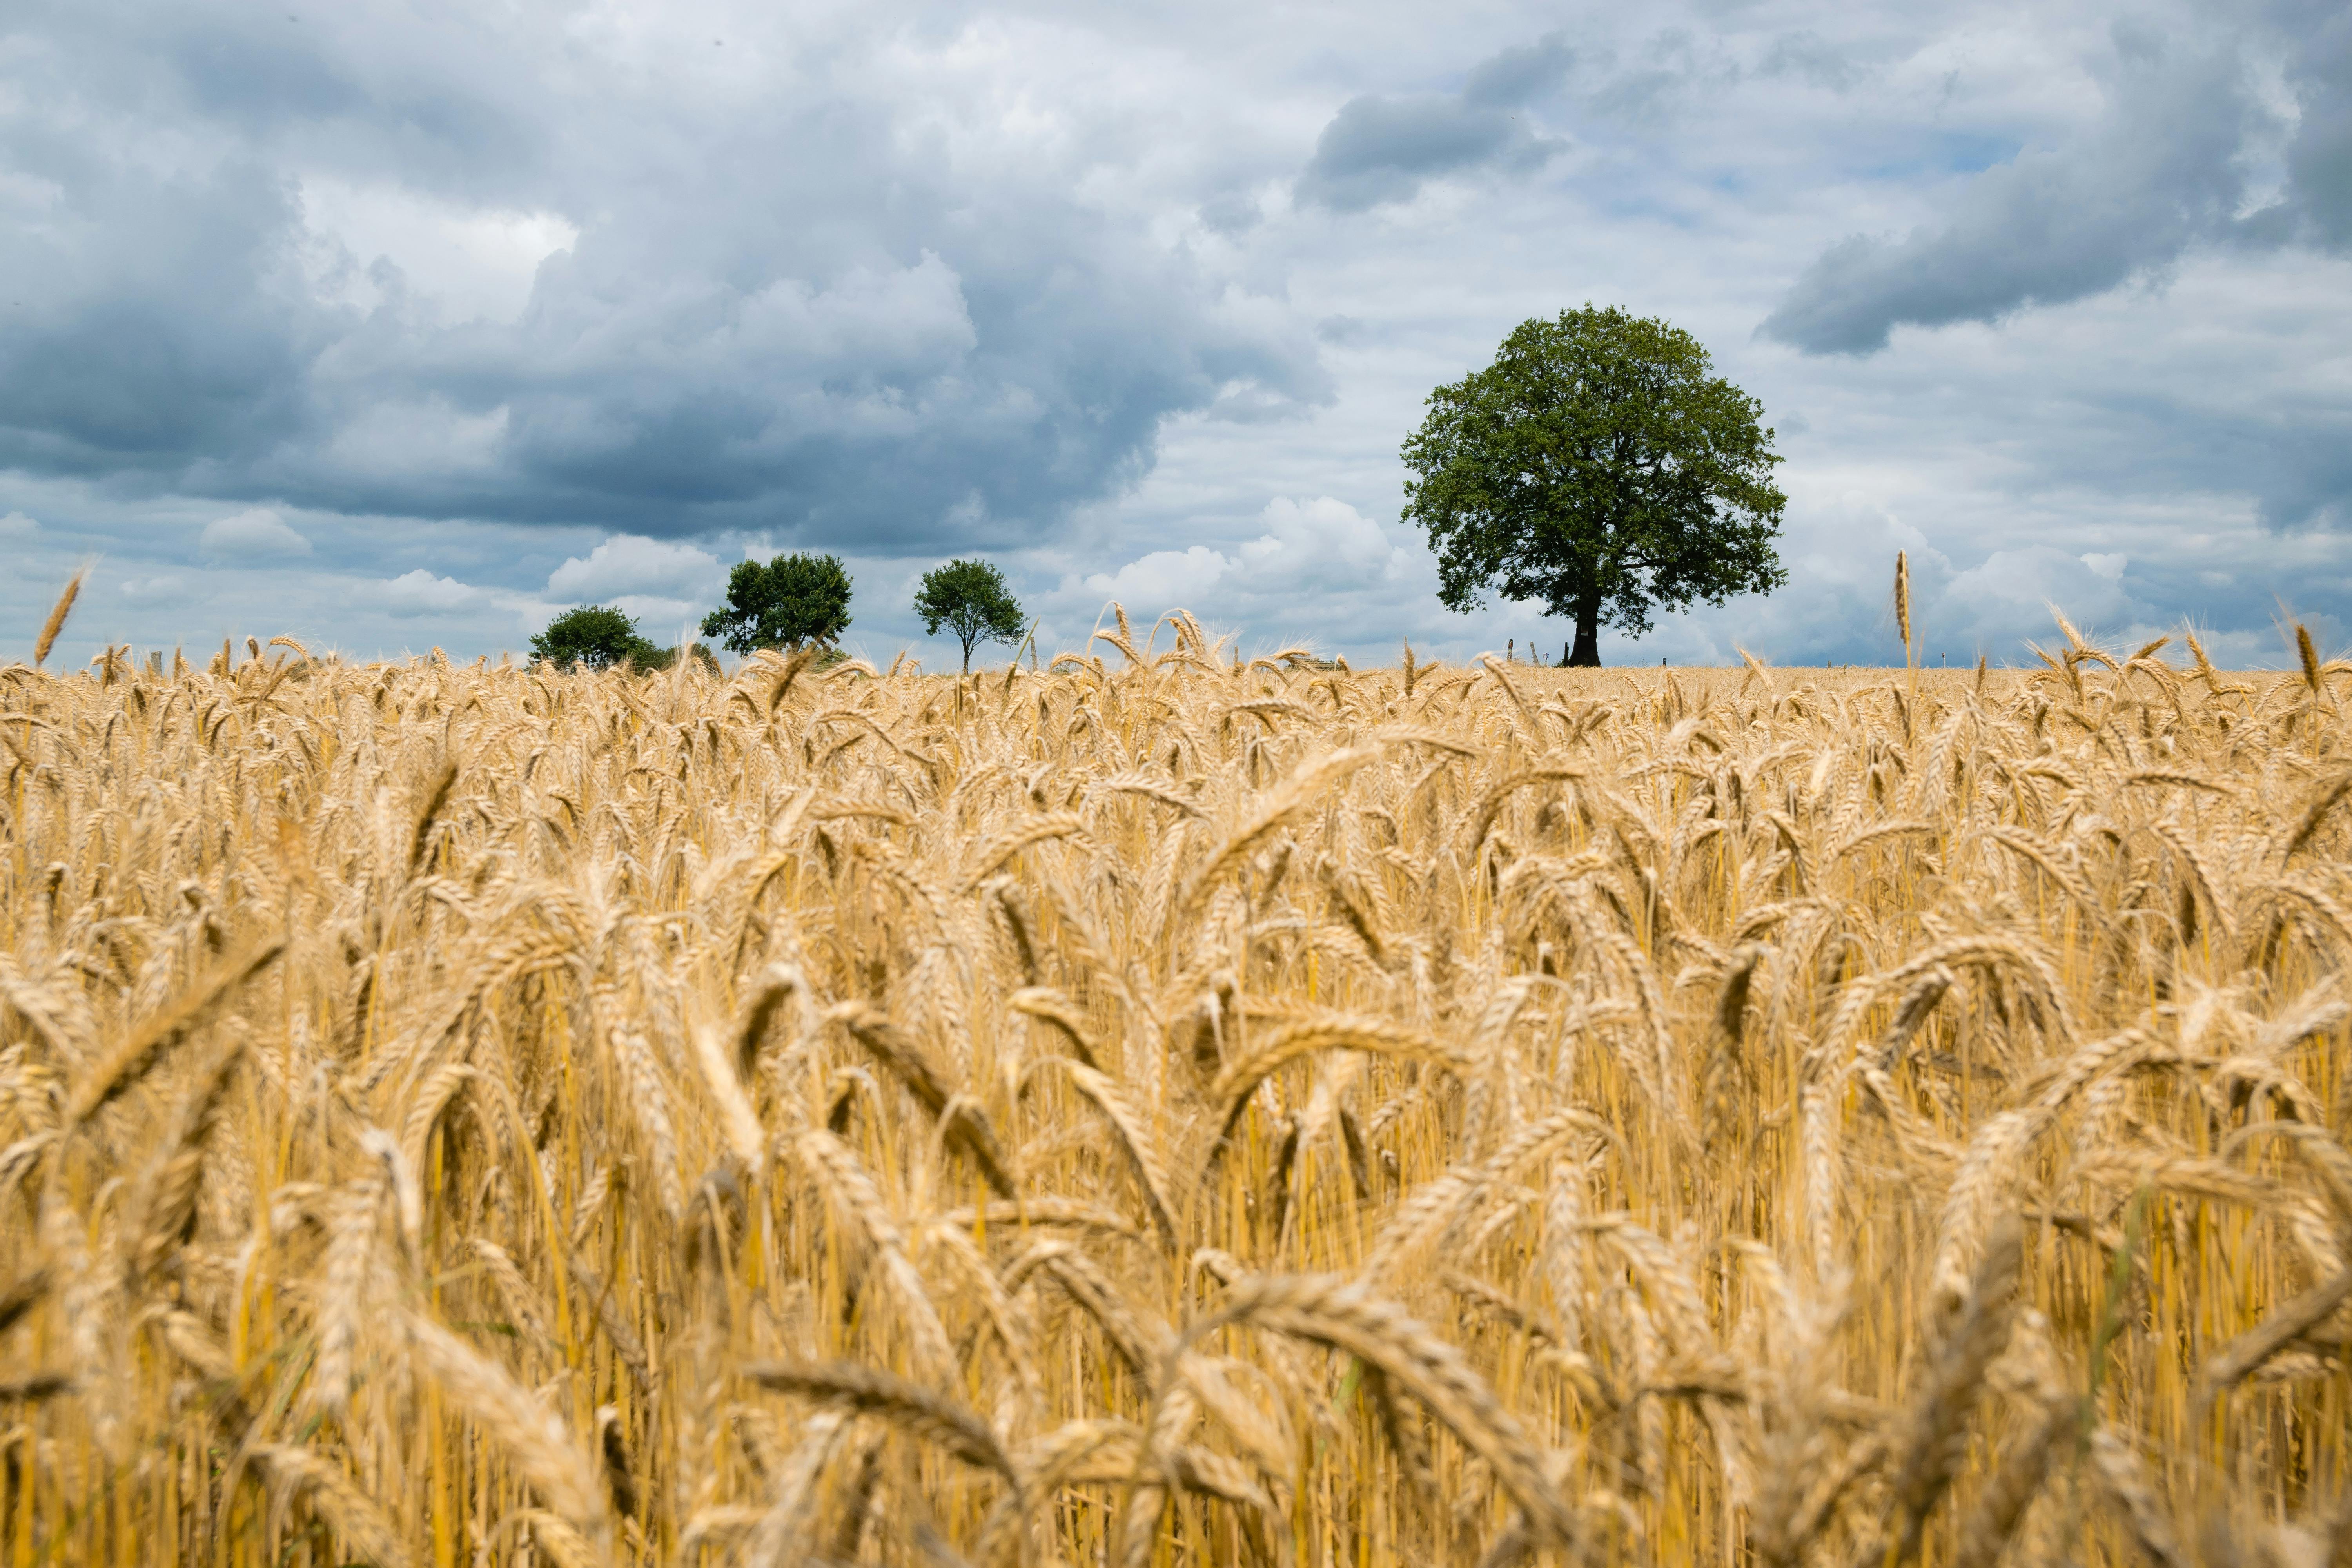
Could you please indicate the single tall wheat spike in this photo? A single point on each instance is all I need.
(1903, 599)
(57, 621)
(1208, 1110)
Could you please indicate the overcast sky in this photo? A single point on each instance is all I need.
(390, 326)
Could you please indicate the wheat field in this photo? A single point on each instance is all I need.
(1166, 1108)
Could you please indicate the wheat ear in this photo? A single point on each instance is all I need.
(873, 1392)
(1127, 1122)
(745, 1137)
(854, 1196)
(784, 1524)
(521, 1301)
(354, 1216)
(1299, 792)
(1490, 804)
(1322, 1032)
(2250, 1349)
(432, 1097)
(564, 1545)
(1345, 1316)
(2323, 801)
(775, 986)
(1050, 1006)
(168, 1214)
(435, 797)
(137, 1056)
(57, 621)
(1934, 1431)
(1100, 1449)
(2125, 1480)
(648, 1102)
(1138, 1343)
(556, 1466)
(2002, 1500)
(614, 1322)
(896, 1049)
(22, 1295)
(368, 1532)
(1903, 598)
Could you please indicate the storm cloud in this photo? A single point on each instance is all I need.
(770, 299)
(1382, 149)
(2165, 165)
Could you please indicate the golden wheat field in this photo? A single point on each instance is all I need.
(1164, 1109)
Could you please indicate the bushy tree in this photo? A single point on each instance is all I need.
(1596, 466)
(968, 598)
(595, 635)
(792, 600)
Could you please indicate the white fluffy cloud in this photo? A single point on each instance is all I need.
(628, 565)
(255, 533)
(1318, 569)
(1165, 579)
(150, 590)
(420, 593)
(1320, 547)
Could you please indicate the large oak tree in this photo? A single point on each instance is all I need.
(1599, 467)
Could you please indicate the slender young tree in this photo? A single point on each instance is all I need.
(1599, 467)
(968, 598)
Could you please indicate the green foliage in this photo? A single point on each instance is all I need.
(595, 635)
(1596, 466)
(598, 636)
(969, 598)
(792, 600)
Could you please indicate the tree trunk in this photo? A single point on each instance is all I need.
(1586, 654)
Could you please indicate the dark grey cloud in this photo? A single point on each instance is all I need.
(1232, 215)
(1382, 149)
(1520, 75)
(807, 311)
(1803, 54)
(2319, 160)
(2052, 225)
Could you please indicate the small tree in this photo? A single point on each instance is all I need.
(595, 635)
(793, 599)
(1597, 467)
(968, 598)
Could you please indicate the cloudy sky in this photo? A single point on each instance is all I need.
(390, 326)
